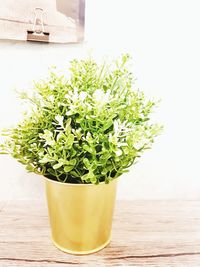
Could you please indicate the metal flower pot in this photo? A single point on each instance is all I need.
(80, 215)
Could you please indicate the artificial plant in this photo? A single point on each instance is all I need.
(86, 127)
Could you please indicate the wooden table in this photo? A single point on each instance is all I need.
(145, 233)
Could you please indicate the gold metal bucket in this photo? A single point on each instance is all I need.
(80, 215)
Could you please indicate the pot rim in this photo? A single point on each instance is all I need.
(79, 185)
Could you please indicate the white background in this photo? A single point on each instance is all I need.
(163, 39)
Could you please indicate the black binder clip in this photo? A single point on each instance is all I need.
(38, 34)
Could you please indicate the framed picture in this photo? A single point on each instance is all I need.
(57, 21)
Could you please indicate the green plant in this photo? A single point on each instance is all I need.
(87, 128)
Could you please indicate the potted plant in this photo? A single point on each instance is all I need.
(82, 132)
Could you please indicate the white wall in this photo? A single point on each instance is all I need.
(163, 38)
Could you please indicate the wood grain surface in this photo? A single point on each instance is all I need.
(145, 233)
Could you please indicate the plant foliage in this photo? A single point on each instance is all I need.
(87, 128)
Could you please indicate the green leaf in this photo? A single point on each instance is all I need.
(107, 125)
(59, 119)
(30, 168)
(89, 149)
(58, 165)
(75, 174)
(72, 162)
(87, 163)
(68, 168)
(61, 136)
(46, 159)
(70, 140)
